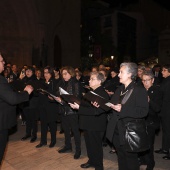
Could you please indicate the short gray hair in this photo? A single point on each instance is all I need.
(131, 68)
(98, 75)
(148, 73)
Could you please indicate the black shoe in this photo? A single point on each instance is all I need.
(77, 155)
(161, 151)
(52, 144)
(61, 132)
(167, 157)
(65, 150)
(86, 165)
(40, 145)
(33, 139)
(25, 137)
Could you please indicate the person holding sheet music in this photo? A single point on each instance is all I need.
(48, 109)
(129, 102)
(70, 116)
(93, 122)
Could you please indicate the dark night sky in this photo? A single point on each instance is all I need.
(124, 3)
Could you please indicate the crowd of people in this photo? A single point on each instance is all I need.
(148, 91)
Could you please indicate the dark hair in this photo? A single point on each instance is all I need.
(167, 66)
(30, 68)
(50, 70)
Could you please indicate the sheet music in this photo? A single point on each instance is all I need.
(62, 91)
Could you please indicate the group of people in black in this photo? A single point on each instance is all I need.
(149, 100)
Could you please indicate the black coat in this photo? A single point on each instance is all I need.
(47, 107)
(30, 107)
(8, 101)
(73, 86)
(154, 106)
(136, 107)
(165, 89)
(92, 118)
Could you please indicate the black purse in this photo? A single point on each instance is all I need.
(136, 136)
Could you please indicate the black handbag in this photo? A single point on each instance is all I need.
(136, 136)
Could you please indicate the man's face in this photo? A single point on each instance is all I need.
(2, 62)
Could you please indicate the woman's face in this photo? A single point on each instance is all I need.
(113, 74)
(29, 73)
(140, 71)
(147, 81)
(66, 76)
(47, 75)
(94, 82)
(124, 76)
(38, 74)
(165, 72)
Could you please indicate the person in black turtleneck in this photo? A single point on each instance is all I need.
(30, 107)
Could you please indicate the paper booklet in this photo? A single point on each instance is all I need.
(94, 97)
(48, 93)
(69, 98)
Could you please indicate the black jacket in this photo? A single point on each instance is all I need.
(92, 118)
(165, 89)
(47, 107)
(73, 86)
(154, 106)
(136, 107)
(8, 101)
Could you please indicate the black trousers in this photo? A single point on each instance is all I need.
(165, 133)
(93, 140)
(126, 160)
(3, 142)
(44, 130)
(70, 123)
(31, 122)
(148, 156)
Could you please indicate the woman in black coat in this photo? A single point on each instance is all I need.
(152, 119)
(165, 113)
(30, 108)
(93, 122)
(134, 108)
(69, 117)
(8, 101)
(48, 109)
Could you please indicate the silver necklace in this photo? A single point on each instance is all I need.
(121, 94)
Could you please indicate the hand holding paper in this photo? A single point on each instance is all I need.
(74, 106)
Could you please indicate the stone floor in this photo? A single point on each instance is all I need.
(22, 155)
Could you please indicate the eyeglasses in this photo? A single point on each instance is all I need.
(146, 80)
(92, 79)
(65, 73)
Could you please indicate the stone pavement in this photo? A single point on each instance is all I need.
(22, 155)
